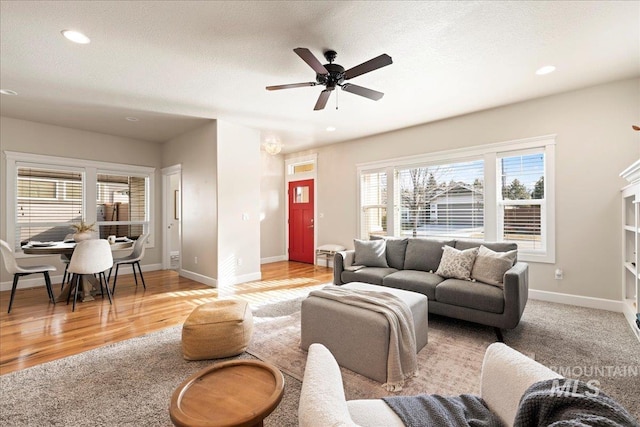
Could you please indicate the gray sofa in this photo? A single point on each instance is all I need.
(412, 263)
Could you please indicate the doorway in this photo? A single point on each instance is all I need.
(301, 221)
(172, 218)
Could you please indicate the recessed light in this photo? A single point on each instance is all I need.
(132, 119)
(545, 70)
(331, 128)
(76, 36)
(8, 92)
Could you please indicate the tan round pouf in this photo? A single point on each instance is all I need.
(216, 330)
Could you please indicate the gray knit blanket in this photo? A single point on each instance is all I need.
(435, 410)
(570, 403)
(402, 360)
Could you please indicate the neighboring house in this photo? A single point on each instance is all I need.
(457, 206)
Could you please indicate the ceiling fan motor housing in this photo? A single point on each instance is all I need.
(334, 78)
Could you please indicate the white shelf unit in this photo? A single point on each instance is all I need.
(631, 245)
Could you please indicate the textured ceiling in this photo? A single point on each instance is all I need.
(173, 64)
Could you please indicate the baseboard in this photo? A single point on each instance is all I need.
(271, 259)
(205, 280)
(580, 301)
(37, 280)
(630, 314)
(233, 280)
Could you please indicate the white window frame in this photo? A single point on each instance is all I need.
(90, 168)
(490, 153)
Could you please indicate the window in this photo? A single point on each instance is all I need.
(442, 200)
(521, 202)
(373, 202)
(121, 205)
(47, 194)
(497, 192)
(48, 200)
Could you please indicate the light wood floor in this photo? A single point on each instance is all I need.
(36, 331)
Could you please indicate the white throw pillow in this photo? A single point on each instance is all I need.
(457, 264)
(371, 253)
(490, 266)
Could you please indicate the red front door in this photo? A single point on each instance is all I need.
(301, 221)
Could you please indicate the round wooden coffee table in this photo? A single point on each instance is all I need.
(235, 393)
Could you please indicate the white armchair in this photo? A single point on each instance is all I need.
(506, 374)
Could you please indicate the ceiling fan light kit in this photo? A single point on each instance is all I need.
(331, 75)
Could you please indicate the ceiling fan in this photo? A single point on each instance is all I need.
(331, 75)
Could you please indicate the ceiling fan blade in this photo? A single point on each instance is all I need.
(322, 99)
(291, 86)
(311, 60)
(362, 91)
(372, 64)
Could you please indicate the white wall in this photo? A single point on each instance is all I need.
(595, 143)
(238, 169)
(272, 208)
(38, 138)
(196, 152)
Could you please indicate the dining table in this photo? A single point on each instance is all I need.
(89, 284)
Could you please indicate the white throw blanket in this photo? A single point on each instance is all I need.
(402, 359)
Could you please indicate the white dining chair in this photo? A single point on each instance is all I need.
(90, 257)
(134, 259)
(12, 267)
(64, 258)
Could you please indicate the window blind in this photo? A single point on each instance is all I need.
(373, 201)
(442, 200)
(121, 199)
(48, 201)
(522, 199)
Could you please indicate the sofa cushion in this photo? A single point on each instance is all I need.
(424, 254)
(373, 275)
(396, 248)
(490, 266)
(494, 246)
(371, 253)
(457, 264)
(414, 280)
(476, 295)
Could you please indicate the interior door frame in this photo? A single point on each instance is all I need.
(167, 212)
(290, 176)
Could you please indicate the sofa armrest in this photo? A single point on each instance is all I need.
(516, 293)
(342, 260)
(506, 375)
(322, 400)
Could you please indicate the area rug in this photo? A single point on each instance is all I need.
(130, 383)
(449, 364)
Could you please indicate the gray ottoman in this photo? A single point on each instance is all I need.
(359, 338)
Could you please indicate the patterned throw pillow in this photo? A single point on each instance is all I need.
(490, 266)
(457, 264)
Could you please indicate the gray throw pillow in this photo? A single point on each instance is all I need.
(396, 248)
(370, 253)
(490, 266)
(424, 254)
(457, 264)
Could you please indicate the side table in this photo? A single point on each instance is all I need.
(236, 393)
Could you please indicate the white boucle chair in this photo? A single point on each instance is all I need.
(90, 257)
(13, 268)
(506, 374)
(133, 259)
